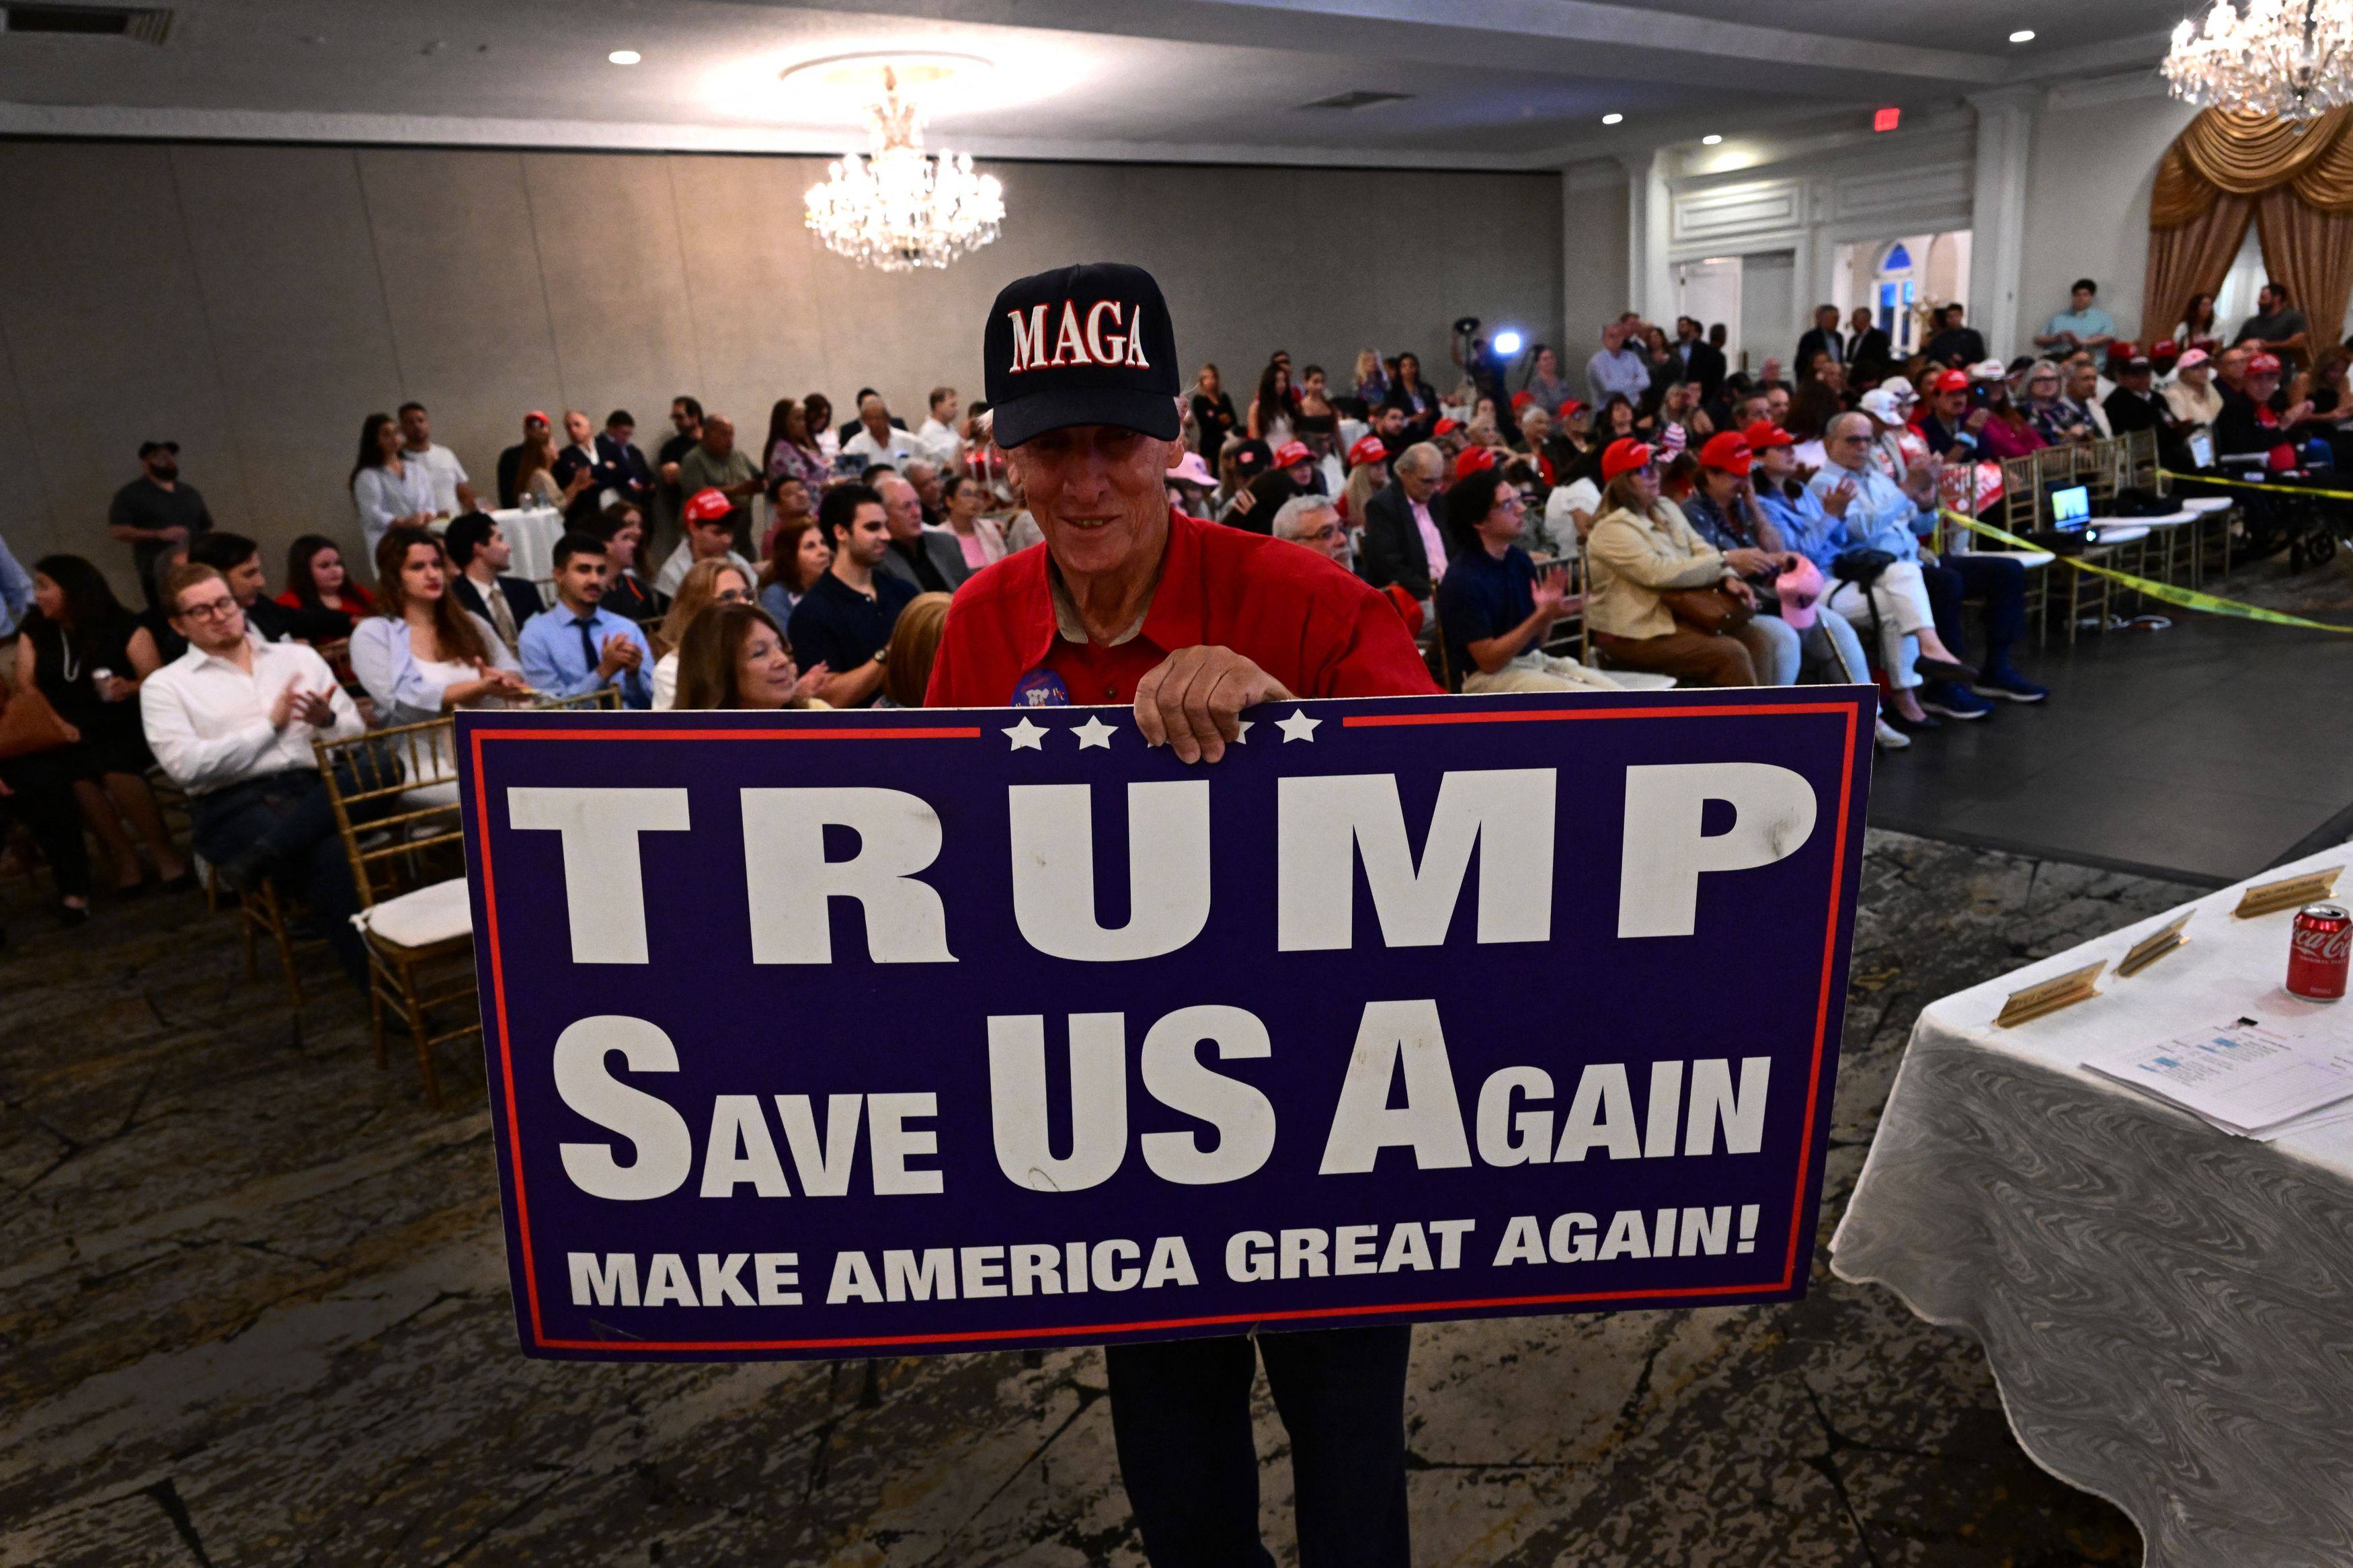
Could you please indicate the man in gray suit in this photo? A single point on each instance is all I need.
(930, 558)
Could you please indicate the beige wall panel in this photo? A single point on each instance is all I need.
(27, 522)
(106, 329)
(282, 251)
(460, 268)
(609, 255)
(749, 265)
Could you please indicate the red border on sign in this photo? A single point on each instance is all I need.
(986, 1336)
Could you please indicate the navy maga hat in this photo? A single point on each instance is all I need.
(1089, 345)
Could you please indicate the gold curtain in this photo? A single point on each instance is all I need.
(2309, 250)
(2298, 188)
(2191, 259)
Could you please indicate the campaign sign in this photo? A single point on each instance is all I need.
(836, 1032)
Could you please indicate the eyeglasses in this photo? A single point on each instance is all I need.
(210, 610)
(1329, 531)
(731, 596)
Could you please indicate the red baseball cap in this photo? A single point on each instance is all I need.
(1445, 427)
(1950, 381)
(1292, 452)
(1367, 449)
(1522, 398)
(1570, 407)
(706, 506)
(535, 414)
(1726, 451)
(1764, 433)
(1624, 456)
(1472, 459)
(2263, 365)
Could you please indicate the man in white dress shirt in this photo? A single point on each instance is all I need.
(232, 720)
(877, 440)
(938, 438)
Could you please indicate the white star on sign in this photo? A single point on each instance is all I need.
(1242, 729)
(1094, 732)
(1029, 735)
(1298, 727)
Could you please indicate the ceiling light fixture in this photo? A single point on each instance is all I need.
(1710, 141)
(2023, 35)
(898, 208)
(625, 56)
(1612, 119)
(2289, 58)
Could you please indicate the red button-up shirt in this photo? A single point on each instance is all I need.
(1287, 609)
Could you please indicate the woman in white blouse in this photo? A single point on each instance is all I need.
(422, 654)
(387, 490)
(718, 580)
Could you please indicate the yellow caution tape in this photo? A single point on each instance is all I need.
(2186, 598)
(2254, 485)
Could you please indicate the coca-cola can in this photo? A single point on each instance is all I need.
(2317, 951)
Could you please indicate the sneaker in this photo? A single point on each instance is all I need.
(2009, 686)
(1955, 702)
(1889, 736)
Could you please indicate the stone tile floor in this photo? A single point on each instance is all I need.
(253, 1310)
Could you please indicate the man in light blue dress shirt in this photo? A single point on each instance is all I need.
(577, 646)
(2083, 325)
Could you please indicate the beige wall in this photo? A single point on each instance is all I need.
(2089, 172)
(256, 303)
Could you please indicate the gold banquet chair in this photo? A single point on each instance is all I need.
(394, 792)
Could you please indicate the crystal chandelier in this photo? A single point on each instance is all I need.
(899, 208)
(2292, 59)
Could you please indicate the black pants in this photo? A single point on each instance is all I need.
(1180, 1412)
(42, 798)
(1999, 582)
(286, 820)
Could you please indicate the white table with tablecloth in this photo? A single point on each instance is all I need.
(2167, 1308)
(531, 532)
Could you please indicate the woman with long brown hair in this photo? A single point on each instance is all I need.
(716, 582)
(423, 653)
(735, 656)
(75, 651)
(914, 646)
(797, 556)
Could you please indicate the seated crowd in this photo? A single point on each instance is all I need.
(1669, 521)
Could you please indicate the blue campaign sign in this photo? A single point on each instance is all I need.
(821, 1034)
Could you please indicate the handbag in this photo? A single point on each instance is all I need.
(1712, 611)
(29, 725)
(1861, 567)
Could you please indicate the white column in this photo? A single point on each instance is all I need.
(1998, 219)
(1650, 234)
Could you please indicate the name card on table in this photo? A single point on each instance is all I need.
(2287, 893)
(843, 1033)
(2048, 996)
(2154, 946)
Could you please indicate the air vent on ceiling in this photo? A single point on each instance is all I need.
(1356, 97)
(147, 25)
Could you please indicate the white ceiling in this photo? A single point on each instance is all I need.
(1495, 83)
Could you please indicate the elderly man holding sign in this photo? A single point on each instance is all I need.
(1133, 601)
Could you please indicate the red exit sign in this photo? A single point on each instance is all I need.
(1886, 118)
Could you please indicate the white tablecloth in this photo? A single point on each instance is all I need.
(2168, 1310)
(533, 532)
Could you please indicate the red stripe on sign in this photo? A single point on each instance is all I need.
(1465, 1304)
(498, 1004)
(1540, 715)
(944, 733)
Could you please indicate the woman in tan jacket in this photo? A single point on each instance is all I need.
(1640, 548)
